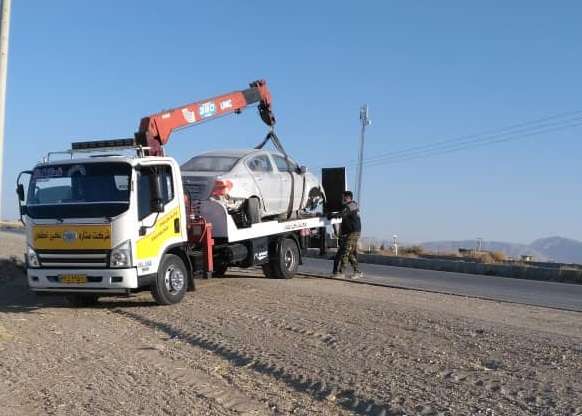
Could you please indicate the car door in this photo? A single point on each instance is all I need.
(285, 171)
(267, 181)
(285, 178)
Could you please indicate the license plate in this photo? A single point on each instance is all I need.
(73, 278)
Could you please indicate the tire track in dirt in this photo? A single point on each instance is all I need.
(315, 330)
(110, 366)
(423, 339)
(392, 353)
(318, 388)
(203, 385)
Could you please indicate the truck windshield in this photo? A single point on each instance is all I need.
(79, 190)
(210, 164)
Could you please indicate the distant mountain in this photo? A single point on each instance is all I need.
(509, 249)
(560, 249)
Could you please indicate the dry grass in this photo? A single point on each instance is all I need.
(498, 256)
(14, 224)
(414, 250)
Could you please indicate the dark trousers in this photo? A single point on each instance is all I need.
(341, 248)
(347, 252)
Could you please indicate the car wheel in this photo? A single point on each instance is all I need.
(82, 301)
(253, 210)
(171, 282)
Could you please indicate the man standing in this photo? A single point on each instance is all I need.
(350, 231)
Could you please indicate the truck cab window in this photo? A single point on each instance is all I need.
(145, 186)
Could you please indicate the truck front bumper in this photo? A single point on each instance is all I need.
(114, 281)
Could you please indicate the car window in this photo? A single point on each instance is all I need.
(282, 164)
(260, 164)
(210, 164)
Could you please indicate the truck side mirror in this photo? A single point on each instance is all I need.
(157, 198)
(20, 192)
(21, 195)
(302, 170)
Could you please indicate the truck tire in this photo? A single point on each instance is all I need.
(82, 301)
(171, 283)
(286, 263)
(253, 210)
(219, 270)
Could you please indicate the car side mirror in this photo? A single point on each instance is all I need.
(302, 170)
(20, 192)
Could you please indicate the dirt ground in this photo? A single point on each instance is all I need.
(249, 345)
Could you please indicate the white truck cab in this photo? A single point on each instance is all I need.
(101, 225)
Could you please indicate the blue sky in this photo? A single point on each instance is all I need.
(428, 70)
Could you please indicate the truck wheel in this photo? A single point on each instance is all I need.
(82, 301)
(285, 265)
(171, 282)
(253, 210)
(219, 270)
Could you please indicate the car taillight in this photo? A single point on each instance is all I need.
(221, 187)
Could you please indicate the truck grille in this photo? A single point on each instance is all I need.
(67, 259)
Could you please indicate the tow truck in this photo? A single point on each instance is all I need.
(100, 223)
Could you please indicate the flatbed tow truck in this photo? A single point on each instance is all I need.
(103, 224)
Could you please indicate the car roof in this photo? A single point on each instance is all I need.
(228, 152)
(236, 152)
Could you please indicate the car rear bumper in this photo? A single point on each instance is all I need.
(114, 281)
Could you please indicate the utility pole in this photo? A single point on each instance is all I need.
(365, 122)
(395, 244)
(479, 244)
(4, 32)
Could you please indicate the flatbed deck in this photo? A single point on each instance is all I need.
(225, 228)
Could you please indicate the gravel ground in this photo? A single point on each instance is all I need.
(11, 245)
(248, 345)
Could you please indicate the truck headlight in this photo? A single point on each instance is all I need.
(32, 258)
(121, 255)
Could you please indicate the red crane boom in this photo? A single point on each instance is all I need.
(155, 130)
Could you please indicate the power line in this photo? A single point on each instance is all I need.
(534, 124)
(497, 138)
(528, 128)
(457, 148)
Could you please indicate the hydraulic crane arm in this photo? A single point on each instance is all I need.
(155, 130)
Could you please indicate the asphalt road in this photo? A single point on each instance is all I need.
(547, 294)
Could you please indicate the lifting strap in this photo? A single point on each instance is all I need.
(272, 136)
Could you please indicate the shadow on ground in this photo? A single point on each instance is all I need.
(15, 297)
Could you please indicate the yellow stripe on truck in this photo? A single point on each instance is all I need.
(150, 245)
(71, 237)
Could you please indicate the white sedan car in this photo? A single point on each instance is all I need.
(253, 184)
